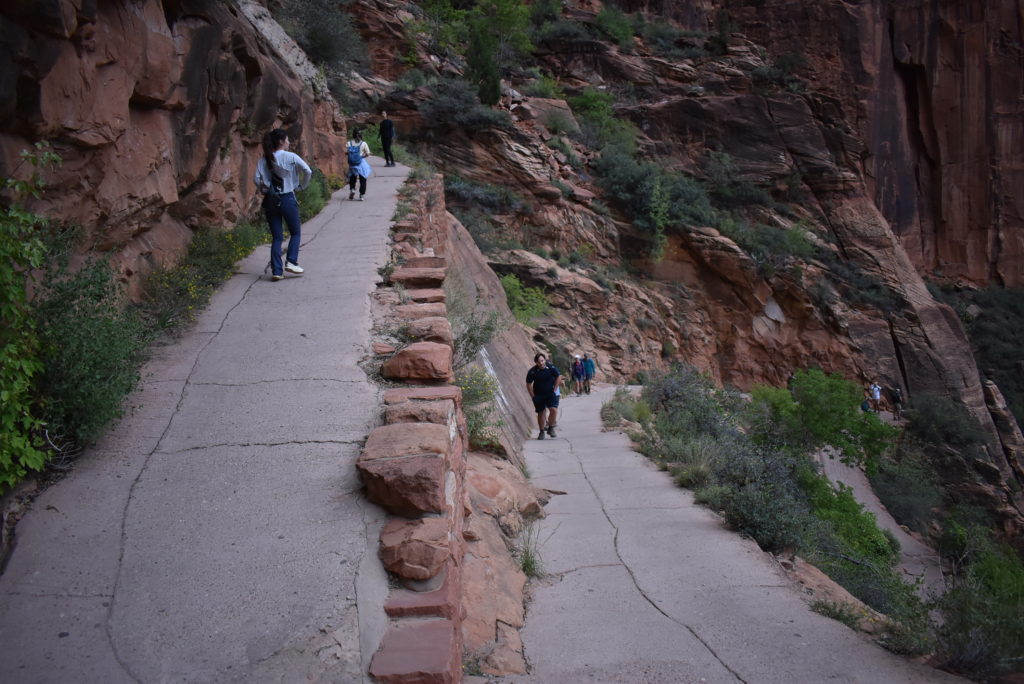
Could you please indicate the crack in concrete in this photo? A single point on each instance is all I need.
(636, 582)
(271, 382)
(262, 444)
(56, 594)
(108, 622)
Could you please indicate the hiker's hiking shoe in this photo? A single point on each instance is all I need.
(360, 198)
(294, 268)
(551, 431)
(541, 435)
(277, 276)
(352, 195)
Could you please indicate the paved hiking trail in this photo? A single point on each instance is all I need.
(218, 532)
(648, 587)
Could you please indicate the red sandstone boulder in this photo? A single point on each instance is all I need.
(418, 277)
(427, 296)
(420, 362)
(431, 329)
(411, 312)
(400, 394)
(390, 441)
(419, 652)
(486, 601)
(410, 485)
(439, 412)
(415, 549)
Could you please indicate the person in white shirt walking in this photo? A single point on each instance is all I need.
(279, 174)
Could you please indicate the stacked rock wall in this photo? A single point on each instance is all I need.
(458, 593)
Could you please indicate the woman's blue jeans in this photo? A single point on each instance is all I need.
(286, 213)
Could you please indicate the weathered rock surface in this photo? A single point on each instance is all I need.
(157, 110)
(415, 549)
(420, 362)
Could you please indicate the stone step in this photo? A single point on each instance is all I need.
(426, 651)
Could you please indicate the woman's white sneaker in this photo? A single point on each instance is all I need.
(294, 268)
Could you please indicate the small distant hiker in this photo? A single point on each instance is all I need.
(386, 133)
(865, 405)
(279, 174)
(897, 404)
(358, 168)
(588, 372)
(577, 373)
(542, 382)
(876, 396)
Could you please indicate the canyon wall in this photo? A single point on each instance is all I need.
(933, 89)
(157, 109)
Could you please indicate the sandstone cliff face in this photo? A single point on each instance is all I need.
(933, 91)
(157, 109)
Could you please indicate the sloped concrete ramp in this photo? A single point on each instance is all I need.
(647, 587)
(218, 532)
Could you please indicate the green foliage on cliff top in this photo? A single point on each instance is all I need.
(527, 303)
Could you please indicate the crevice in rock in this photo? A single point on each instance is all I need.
(259, 444)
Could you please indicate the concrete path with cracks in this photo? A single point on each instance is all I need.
(218, 533)
(646, 587)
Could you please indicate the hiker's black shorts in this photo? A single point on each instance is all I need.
(541, 404)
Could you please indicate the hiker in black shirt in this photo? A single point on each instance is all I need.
(387, 136)
(542, 382)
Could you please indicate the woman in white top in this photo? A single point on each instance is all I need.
(279, 173)
(357, 151)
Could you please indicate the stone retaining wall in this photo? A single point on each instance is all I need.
(458, 594)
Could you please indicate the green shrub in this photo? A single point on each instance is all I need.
(472, 330)
(727, 188)
(489, 236)
(478, 386)
(821, 410)
(854, 526)
(939, 421)
(455, 104)
(314, 197)
(175, 295)
(982, 633)
(617, 25)
(478, 391)
(545, 86)
(668, 41)
(498, 199)
(325, 32)
(908, 487)
(527, 303)
(600, 126)
(564, 32)
(21, 251)
(841, 612)
(91, 347)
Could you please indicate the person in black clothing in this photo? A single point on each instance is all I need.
(387, 136)
(542, 381)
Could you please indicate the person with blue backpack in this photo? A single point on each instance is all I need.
(358, 168)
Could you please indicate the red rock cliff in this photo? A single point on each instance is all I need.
(933, 88)
(157, 109)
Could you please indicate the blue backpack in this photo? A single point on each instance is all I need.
(354, 157)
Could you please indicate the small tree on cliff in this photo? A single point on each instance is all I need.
(822, 410)
(481, 67)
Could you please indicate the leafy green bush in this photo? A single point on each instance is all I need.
(617, 25)
(21, 251)
(727, 188)
(908, 487)
(91, 347)
(478, 391)
(489, 236)
(982, 633)
(324, 31)
(472, 327)
(175, 295)
(456, 104)
(855, 526)
(821, 410)
(771, 247)
(600, 126)
(498, 199)
(545, 86)
(668, 41)
(563, 31)
(939, 421)
(314, 197)
(527, 303)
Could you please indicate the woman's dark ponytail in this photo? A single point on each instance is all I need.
(272, 141)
